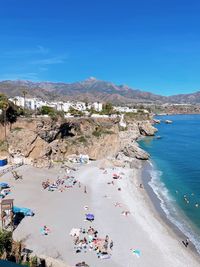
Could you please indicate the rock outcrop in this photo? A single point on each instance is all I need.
(146, 128)
(134, 151)
(49, 141)
(28, 145)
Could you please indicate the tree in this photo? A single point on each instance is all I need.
(46, 110)
(107, 108)
(3, 106)
(75, 112)
(9, 112)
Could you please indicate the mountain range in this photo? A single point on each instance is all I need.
(91, 90)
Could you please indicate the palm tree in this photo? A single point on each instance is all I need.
(24, 93)
(4, 106)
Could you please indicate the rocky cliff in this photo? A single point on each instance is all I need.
(41, 141)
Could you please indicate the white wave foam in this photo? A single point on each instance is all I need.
(168, 205)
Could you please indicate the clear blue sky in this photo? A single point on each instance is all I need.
(152, 45)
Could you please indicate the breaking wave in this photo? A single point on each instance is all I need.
(168, 205)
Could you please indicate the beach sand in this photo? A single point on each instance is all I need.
(142, 229)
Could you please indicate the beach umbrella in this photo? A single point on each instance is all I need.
(4, 185)
(136, 252)
(90, 217)
(24, 211)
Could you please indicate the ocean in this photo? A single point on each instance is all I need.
(175, 171)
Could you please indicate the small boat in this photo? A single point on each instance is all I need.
(168, 121)
(158, 137)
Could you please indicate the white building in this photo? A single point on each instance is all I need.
(125, 109)
(97, 106)
(81, 106)
(34, 104)
(64, 106)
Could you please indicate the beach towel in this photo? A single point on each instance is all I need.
(105, 256)
(136, 252)
(74, 231)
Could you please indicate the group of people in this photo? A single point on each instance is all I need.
(89, 240)
(45, 230)
(59, 184)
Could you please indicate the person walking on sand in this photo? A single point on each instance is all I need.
(111, 244)
(85, 190)
(186, 242)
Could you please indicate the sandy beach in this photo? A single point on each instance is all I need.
(141, 229)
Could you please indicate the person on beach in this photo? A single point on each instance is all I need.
(107, 238)
(125, 213)
(111, 245)
(76, 239)
(186, 242)
(117, 204)
(85, 190)
(141, 186)
(105, 244)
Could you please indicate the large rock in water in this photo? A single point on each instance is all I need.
(134, 151)
(146, 128)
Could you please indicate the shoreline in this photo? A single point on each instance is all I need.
(159, 213)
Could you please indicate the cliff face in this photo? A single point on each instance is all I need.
(41, 141)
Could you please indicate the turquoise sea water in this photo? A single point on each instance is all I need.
(175, 177)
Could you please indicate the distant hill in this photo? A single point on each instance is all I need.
(91, 90)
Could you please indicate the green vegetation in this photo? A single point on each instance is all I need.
(3, 146)
(9, 112)
(82, 139)
(45, 110)
(12, 250)
(129, 116)
(17, 129)
(51, 112)
(107, 109)
(99, 131)
(96, 133)
(5, 243)
(75, 112)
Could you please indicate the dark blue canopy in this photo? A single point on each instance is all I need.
(90, 216)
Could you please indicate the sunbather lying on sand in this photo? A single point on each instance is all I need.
(117, 204)
(126, 213)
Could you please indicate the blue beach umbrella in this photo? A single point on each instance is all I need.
(90, 217)
(24, 211)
